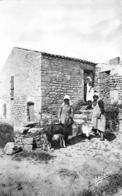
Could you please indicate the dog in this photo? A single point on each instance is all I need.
(59, 138)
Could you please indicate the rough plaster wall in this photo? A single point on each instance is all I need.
(25, 66)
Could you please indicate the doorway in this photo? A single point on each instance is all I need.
(88, 75)
(30, 111)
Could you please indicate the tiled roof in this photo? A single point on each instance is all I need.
(60, 56)
(68, 58)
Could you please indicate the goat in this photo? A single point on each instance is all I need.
(55, 132)
(59, 138)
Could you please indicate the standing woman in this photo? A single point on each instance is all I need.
(98, 116)
(65, 116)
(101, 120)
(96, 111)
(90, 89)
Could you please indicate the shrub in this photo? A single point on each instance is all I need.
(112, 114)
(120, 106)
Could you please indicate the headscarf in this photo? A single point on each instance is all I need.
(96, 94)
(67, 97)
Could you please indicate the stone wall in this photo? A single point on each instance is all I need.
(42, 79)
(108, 82)
(116, 88)
(24, 65)
(102, 85)
(114, 61)
(60, 76)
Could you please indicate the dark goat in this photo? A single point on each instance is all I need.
(53, 129)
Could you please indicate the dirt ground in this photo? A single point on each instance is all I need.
(84, 168)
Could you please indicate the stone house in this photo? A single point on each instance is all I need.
(34, 82)
(108, 81)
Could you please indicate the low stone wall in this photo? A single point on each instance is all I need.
(33, 138)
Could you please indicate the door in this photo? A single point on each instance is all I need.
(30, 111)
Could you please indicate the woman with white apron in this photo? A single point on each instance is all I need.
(98, 116)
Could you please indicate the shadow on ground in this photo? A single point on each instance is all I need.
(72, 141)
(81, 138)
(110, 136)
(76, 139)
(37, 156)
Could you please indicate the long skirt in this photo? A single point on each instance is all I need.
(101, 123)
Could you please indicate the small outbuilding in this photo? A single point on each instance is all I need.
(34, 82)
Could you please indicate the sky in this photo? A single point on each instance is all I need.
(85, 29)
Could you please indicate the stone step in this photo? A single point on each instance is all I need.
(78, 121)
(80, 116)
(84, 114)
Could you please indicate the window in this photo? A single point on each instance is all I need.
(12, 88)
(30, 111)
(4, 110)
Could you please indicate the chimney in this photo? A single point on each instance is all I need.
(115, 60)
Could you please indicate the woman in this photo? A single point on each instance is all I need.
(65, 116)
(101, 124)
(96, 111)
(90, 90)
(98, 116)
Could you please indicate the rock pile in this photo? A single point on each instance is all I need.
(9, 148)
(27, 140)
(32, 139)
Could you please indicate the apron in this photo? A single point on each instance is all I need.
(101, 123)
(98, 123)
(66, 120)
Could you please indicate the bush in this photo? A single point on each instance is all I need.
(6, 134)
(120, 106)
(112, 116)
(112, 111)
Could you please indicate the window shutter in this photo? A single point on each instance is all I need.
(12, 88)
(4, 110)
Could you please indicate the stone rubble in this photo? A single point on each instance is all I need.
(31, 138)
(9, 148)
(34, 138)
